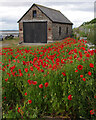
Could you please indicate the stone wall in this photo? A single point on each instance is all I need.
(40, 17)
(64, 34)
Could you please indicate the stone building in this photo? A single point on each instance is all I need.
(41, 25)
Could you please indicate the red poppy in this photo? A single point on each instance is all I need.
(26, 93)
(81, 76)
(79, 67)
(91, 65)
(30, 101)
(84, 79)
(18, 109)
(76, 70)
(70, 97)
(34, 82)
(20, 74)
(63, 74)
(87, 55)
(29, 81)
(26, 69)
(5, 98)
(91, 112)
(94, 96)
(40, 86)
(6, 79)
(89, 73)
(46, 84)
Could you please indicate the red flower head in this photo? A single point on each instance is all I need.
(26, 93)
(76, 70)
(91, 65)
(26, 69)
(81, 76)
(80, 67)
(46, 84)
(6, 79)
(30, 101)
(70, 97)
(84, 79)
(91, 112)
(34, 82)
(40, 86)
(89, 73)
(63, 74)
(18, 109)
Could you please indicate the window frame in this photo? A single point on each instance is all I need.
(34, 13)
(59, 30)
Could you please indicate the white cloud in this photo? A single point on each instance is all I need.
(75, 10)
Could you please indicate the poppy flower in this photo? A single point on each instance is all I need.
(84, 79)
(26, 93)
(91, 112)
(63, 74)
(79, 67)
(40, 86)
(76, 70)
(34, 82)
(18, 109)
(26, 69)
(81, 76)
(94, 96)
(91, 65)
(6, 79)
(29, 101)
(46, 84)
(87, 55)
(89, 73)
(70, 97)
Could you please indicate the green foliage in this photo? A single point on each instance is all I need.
(55, 64)
(93, 21)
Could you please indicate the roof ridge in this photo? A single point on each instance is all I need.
(46, 7)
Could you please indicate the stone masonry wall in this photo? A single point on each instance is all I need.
(55, 31)
(40, 17)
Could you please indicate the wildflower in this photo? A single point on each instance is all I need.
(76, 70)
(84, 79)
(91, 112)
(91, 65)
(26, 69)
(26, 93)
(6, 79)
(34, 82)
(81, 76)
(30, 101)
(18, 109)
(87, 55)
(46, 84)
(89, 73)
(40, 86)
(80, 67)
(70, 97)
(63, 74)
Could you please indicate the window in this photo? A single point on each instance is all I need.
(66, 30)
(34, 13)
(59, 30)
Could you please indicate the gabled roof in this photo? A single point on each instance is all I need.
(52, 14)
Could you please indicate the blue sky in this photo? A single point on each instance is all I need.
(77, 11)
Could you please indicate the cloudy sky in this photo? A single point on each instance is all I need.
(77, 11)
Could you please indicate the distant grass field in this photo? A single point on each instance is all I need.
(14, 43)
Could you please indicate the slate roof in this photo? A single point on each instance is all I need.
(52, 14)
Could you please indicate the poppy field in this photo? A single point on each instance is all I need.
(58, 79)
